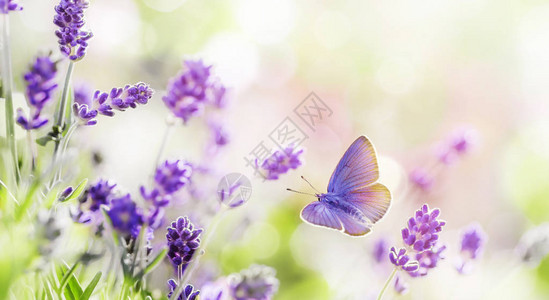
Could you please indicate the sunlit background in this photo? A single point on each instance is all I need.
(404, 73)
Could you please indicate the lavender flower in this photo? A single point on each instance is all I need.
(220, 135)
(40, 87)
(422, 231)
(216, 290)
(257, 282)
(183, 241)
(192, 89)
(169, 178)
(401, 286)
(428, 260)
(172, 176)
(9, 5)
(83, 94)
(69, 17)
(91, 200)
(119, 99)
(381, 250)
(100, 193)
(402, 261)
(280, 162)
(421, 179)
(472, 241)
(459, 143)
(125, 216)
(188, 293)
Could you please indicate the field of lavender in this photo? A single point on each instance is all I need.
(274, 149)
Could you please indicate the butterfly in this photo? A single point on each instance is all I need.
(354, 200)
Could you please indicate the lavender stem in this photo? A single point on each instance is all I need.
(387, 284)
(7, 78)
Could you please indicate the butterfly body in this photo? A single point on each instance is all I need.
(354, 201)
(337, 202)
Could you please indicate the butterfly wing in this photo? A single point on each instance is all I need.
(352, 226)
(319, 213)
(373, 200)
(322, 214)
(356, 169)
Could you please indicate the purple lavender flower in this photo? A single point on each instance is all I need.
(192, 89)
(472, 241)
(220, 135)
(69, 17)
(118, 98)
(401, 286)
(381, 250)
(125, 216)
(100, 193)
(169, 178)
(9, 5)
(402, 261)
(257, 282)
(216, 290)
(421, 179)
(91, 200)
(83, 94)
(472, 244)
(422, 231)
(280, 162)
(40, 87)
(463, 139)
(188, 293)
(459, 143)
(428, 260)
(183, 241)
(172, 176)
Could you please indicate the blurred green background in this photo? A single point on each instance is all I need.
(404, 73)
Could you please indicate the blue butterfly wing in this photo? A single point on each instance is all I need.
(322, 214)
(356, 169)
(319, 213)
(373, 200)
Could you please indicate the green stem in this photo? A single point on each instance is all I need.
(32, 150)
(60, 115)
(387, 284)
(7, 84)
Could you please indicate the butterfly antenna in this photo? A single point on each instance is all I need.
(301, 192)
(307, 181)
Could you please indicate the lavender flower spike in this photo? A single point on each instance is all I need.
(69, 17)
(428, 260)
(472, 244)
(280, 162)
(258, 282)
(183, 241)
(402, 261)
(422, 230)
(9, 5)
(40, 87)
(188, 293)
(118, 98)
(125, 216)
(192, 89)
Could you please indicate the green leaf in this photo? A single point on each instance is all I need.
(156, 261)
(89, 289)
(79, 189)
(44, 140)
(67, 275)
